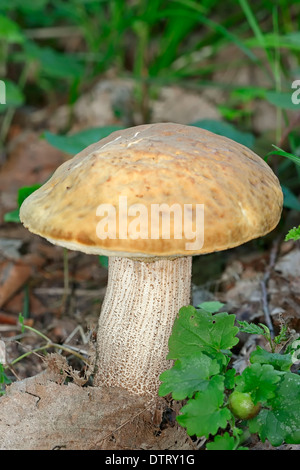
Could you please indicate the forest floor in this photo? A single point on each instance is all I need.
(257, 281)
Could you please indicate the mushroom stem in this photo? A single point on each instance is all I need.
(141, 303)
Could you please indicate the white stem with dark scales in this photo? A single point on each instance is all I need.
(141, 303)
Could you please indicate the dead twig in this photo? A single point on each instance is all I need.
(58, 291)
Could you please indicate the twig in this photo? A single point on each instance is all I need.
(48, 346)
(264, 284)
(66, 277)
(53, 32)
(76, 292)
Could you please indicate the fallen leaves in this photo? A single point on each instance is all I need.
(12, 277)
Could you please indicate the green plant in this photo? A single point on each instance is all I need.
(4, 379)
(47, 344)
(242, 405)
(293, 234)
(222, 405)
(23, 193)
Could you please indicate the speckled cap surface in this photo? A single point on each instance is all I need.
(162, 163)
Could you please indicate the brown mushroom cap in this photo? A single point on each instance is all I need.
(155, 164)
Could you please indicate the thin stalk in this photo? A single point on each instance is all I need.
(277, 75)
(257, 31)
(66, 271)
(49, 344)
(217, 27)
(66, 276)
(141, 30)
(43, 348)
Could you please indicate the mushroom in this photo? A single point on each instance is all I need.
(145, 197)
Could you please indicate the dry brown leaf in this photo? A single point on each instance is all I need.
(12, 278)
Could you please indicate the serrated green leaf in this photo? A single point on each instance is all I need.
(260, 380)
(282, 336)
(281, 423)
(278, 361)
(198, 330)
(230, 378)
(250, 328)
(205, 414)
(187, 376)
(211, 307)
(293, 234)
(267, 333)
(225, 442)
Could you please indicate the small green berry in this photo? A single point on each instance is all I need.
(242, 406)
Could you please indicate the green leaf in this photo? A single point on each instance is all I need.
(10, 31)
(278, 361)
(74, 143)
(260, 380)
(227, 130)
(282, 336)
(23, 6)
(282, 153)
(281, 423)
(217, 27)
(211, 307)
(274, 40)
(266, 333)
(103, 260)
(205, 414)
(199, 330)
(250, 328)
(53, 63)
(12, 216)
(230, 378)
(4, 380)
(280, 99)
(225, 442)
(293, 234)
(188, 375)
(3, 377)
(289, 199)
(21, 321)
(25, 191)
